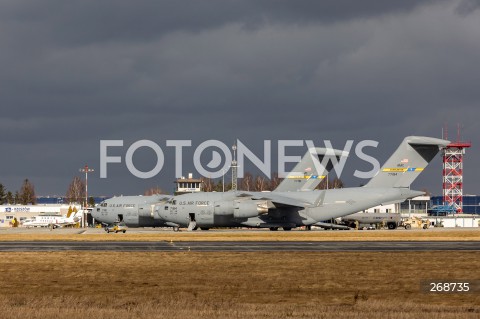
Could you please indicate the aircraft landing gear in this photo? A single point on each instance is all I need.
(273, 228)
(391, 225)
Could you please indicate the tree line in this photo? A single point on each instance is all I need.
(76, 190)
(260, 183)
(250, 182)
(24, 196)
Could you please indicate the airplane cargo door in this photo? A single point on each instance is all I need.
(131, 217)
(205, 216)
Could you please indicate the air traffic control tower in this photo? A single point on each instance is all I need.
(188, 185)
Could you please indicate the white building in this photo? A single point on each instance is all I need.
(415, 206)
(457, 220)
(418, 207)
(22, 212)
(188, 185)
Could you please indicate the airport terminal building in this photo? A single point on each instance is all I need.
(420, 206)
(471, 203)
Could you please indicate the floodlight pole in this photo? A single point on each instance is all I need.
(86, 170)
(234, 168)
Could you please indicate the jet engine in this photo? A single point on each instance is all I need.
(251, 208)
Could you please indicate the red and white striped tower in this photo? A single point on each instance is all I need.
(453, 172)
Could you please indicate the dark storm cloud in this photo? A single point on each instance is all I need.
(83, 22)
(466, 7)
(74, 73)
(74, 55)
(104, 56)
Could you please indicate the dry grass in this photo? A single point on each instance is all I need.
(179, 308)
(242, 235)
(234, 285)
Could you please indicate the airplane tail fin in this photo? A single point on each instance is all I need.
(75, 217)
(311, 170)
(407, 162)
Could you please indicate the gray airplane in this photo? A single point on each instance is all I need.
(294, 203)
(139, 211)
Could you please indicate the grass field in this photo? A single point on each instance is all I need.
(234, 285)
(242, 235)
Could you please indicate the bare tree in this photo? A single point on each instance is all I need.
(275, 181)
(323, 184)
(207, 184)
(219, 187)
(153, 191)
(260, 183)
(247, 182)
(76, 191)
(27, 193)
(337, 183)
(10, 199)
(16, 199)
(330, 183)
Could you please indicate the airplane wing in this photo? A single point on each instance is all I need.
(279, 200)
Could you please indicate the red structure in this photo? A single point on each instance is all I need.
(453, 172)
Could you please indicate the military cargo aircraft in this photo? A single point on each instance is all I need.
(286, 207)
(139, 211)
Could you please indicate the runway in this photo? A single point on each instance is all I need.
(236, 246)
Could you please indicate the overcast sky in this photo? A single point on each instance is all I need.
(73, 73)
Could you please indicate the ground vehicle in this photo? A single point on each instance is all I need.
(416, 222)
(116, 227)
(372, 220)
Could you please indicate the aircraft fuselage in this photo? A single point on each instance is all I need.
(240, 209)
